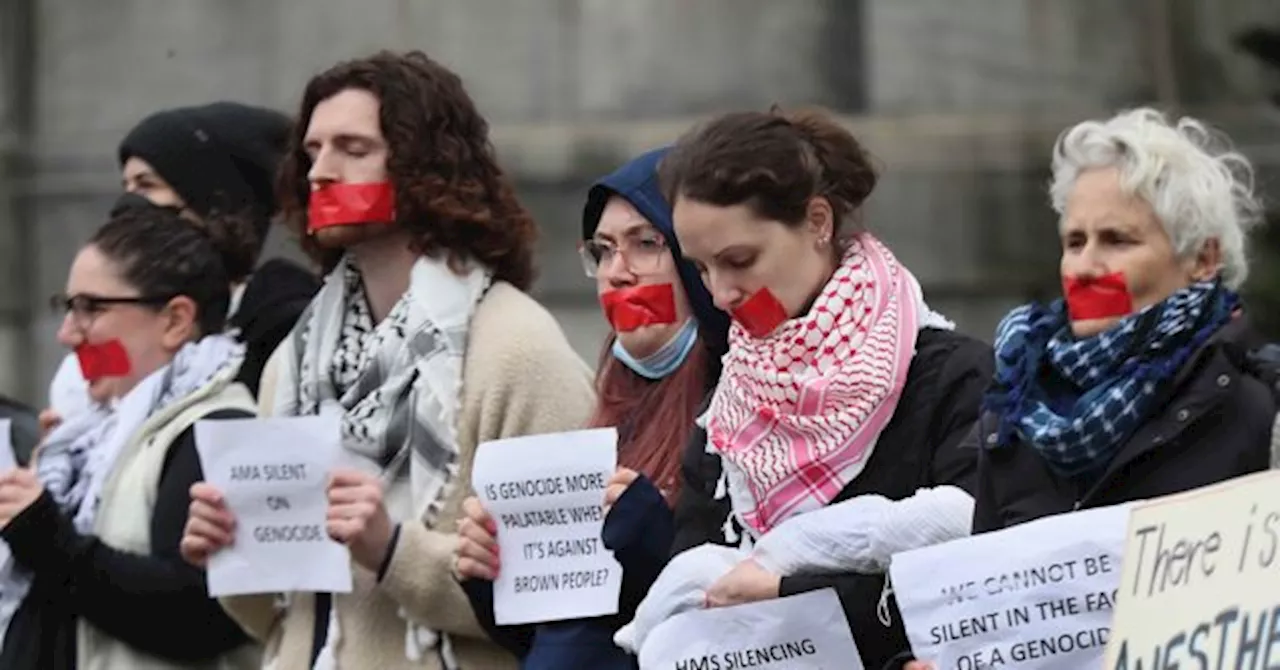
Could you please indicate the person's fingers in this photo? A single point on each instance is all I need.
(469, 530)
(471, 569)
(214, 535)
(195, 550)
(474, 510)
(478, 553)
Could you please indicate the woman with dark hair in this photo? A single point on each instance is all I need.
(839, 382)
(655, 372)
(208, 161)
(94, 528)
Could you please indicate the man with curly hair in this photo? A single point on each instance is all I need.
(424, 338)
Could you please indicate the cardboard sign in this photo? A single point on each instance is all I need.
(1200, 584)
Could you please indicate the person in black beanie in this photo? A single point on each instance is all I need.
(205, 161)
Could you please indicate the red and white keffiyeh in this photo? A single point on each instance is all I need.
(799, 412)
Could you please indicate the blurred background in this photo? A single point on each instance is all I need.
(959, 100)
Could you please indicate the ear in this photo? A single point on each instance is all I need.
(179, 323)
(820, 219)
(1207, 262)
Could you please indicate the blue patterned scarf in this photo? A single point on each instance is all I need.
(1076, 401)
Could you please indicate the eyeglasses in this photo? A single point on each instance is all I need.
(84, 307)
(642, 254)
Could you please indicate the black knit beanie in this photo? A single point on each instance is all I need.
(218, 157)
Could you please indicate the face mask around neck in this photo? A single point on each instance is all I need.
(666, 360)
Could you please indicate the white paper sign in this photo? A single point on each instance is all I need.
(1039, 595)
(7, 462)
(802, 631)
(273, 473)
(7, 459)
(546, 493)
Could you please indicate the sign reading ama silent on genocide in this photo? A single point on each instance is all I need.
(546, 493)
(1201, 580)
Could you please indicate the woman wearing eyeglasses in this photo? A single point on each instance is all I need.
(95, 579)
(654, 374)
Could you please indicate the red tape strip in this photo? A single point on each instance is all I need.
(761, 314)
(351, 204)
(99, 361)
(629, 309)
(1102, 297)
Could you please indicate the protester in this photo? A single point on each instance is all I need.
(423, 338)
(656, 371)
(1138, 383)
(203, 160)
(94, 528)
(839, 384)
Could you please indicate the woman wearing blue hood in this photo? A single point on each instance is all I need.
(655, 372)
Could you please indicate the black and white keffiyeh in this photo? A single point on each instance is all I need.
(397, 384)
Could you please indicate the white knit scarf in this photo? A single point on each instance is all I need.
(79, 455)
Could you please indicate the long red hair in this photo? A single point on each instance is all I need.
(654, 417)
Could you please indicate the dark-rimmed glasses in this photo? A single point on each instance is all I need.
(84, 307)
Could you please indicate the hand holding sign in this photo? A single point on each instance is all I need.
(358, 518)
(476, 556)
(210, 525)
(617, 485)
(271, 494)
(549, 515)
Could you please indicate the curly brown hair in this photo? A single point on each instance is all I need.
(450, 193)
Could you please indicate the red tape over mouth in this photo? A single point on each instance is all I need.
(761, 314)
(351, 204)
(99, 361)
(629, 309)
(1102, 297)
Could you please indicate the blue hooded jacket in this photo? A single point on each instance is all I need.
(640, 527)
(637, 182)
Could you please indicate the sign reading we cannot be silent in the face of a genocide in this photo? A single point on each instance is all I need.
(1201, 580)
(1036, 596)
(546, 493)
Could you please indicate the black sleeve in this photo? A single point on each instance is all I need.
(518, 640)
(965, 378)
(156, 603)
(986, 508)
(698, 515)
(638, 530)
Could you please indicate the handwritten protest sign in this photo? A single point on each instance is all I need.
(1039, 595)
(273, 473)
(1200, 583)
(802, 631)
(546, 493)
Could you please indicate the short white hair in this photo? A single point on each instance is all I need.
(1198, 185)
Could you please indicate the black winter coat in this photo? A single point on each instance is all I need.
(919, 448)
(1215, 425)
(274, 298)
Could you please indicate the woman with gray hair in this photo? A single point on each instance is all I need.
(1139, 383)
